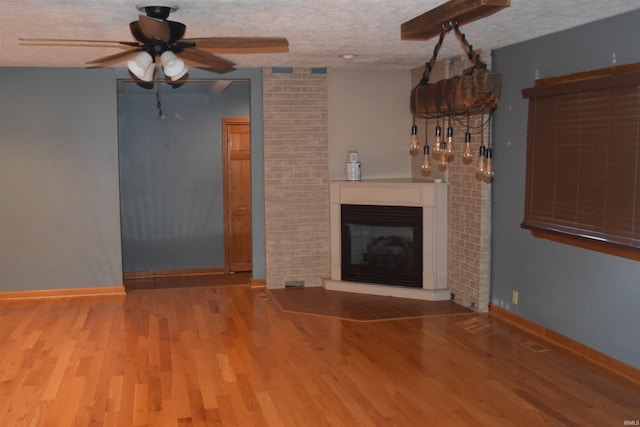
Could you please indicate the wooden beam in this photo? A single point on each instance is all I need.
(429, 24)
(472, 93)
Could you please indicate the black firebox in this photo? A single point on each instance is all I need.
(382, 245)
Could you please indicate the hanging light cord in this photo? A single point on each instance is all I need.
(473, 56)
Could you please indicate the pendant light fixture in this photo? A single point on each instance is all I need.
(451, 151)
(414, 148)
(438, 146)
(474, 93)
(467, 153)
(482, 157)
(489, 172)
(426, 160)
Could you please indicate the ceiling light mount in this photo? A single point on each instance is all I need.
(157, 10)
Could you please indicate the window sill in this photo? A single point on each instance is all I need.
(602, 246)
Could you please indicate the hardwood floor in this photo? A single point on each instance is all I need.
(228, 356)
(188, 280)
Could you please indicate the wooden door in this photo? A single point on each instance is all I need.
(237, 193)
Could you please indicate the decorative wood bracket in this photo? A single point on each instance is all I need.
(429, 24)
(471, 93)
(476, 91)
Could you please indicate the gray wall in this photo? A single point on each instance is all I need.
(59, 206)
(171, 173)
(587, 296)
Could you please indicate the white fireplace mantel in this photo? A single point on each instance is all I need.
(431, 196)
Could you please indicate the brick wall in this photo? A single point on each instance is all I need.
(469, 239)
(296, 191)
(296, 171)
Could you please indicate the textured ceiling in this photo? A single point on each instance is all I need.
(318, 31)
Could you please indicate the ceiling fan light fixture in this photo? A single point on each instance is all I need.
(140, 65)
(156, 36)
(151, 71)
(172, 65)
(180, 75)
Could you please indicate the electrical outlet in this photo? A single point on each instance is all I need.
(514, 297)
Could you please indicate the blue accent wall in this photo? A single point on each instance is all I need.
(590, 297)
(170, 151)
(59, 195)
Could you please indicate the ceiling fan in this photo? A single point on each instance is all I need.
(157, 37)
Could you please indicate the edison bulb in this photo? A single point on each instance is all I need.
(467, 154)
(489, 172)
(414, 147)
(444, 158)
(426, 161)
(437, 149)
(482, 161)
(450, 146)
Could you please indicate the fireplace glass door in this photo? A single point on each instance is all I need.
(382, 245)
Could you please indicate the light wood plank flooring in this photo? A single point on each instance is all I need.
(228, 356)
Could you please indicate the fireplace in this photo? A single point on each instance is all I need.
(382, 244)
(389, 237)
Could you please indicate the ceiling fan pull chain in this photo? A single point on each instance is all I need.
(158, 103)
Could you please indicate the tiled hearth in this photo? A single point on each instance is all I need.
(431, 196)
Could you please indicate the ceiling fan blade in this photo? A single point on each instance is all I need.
(219, 65)
(242, 44)
(155, 29)
(75, 41)
(117, 57)
(136, 31)
(177, 30)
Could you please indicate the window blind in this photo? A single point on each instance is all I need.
(583, 160)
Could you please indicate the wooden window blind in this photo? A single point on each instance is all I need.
(583, 160)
